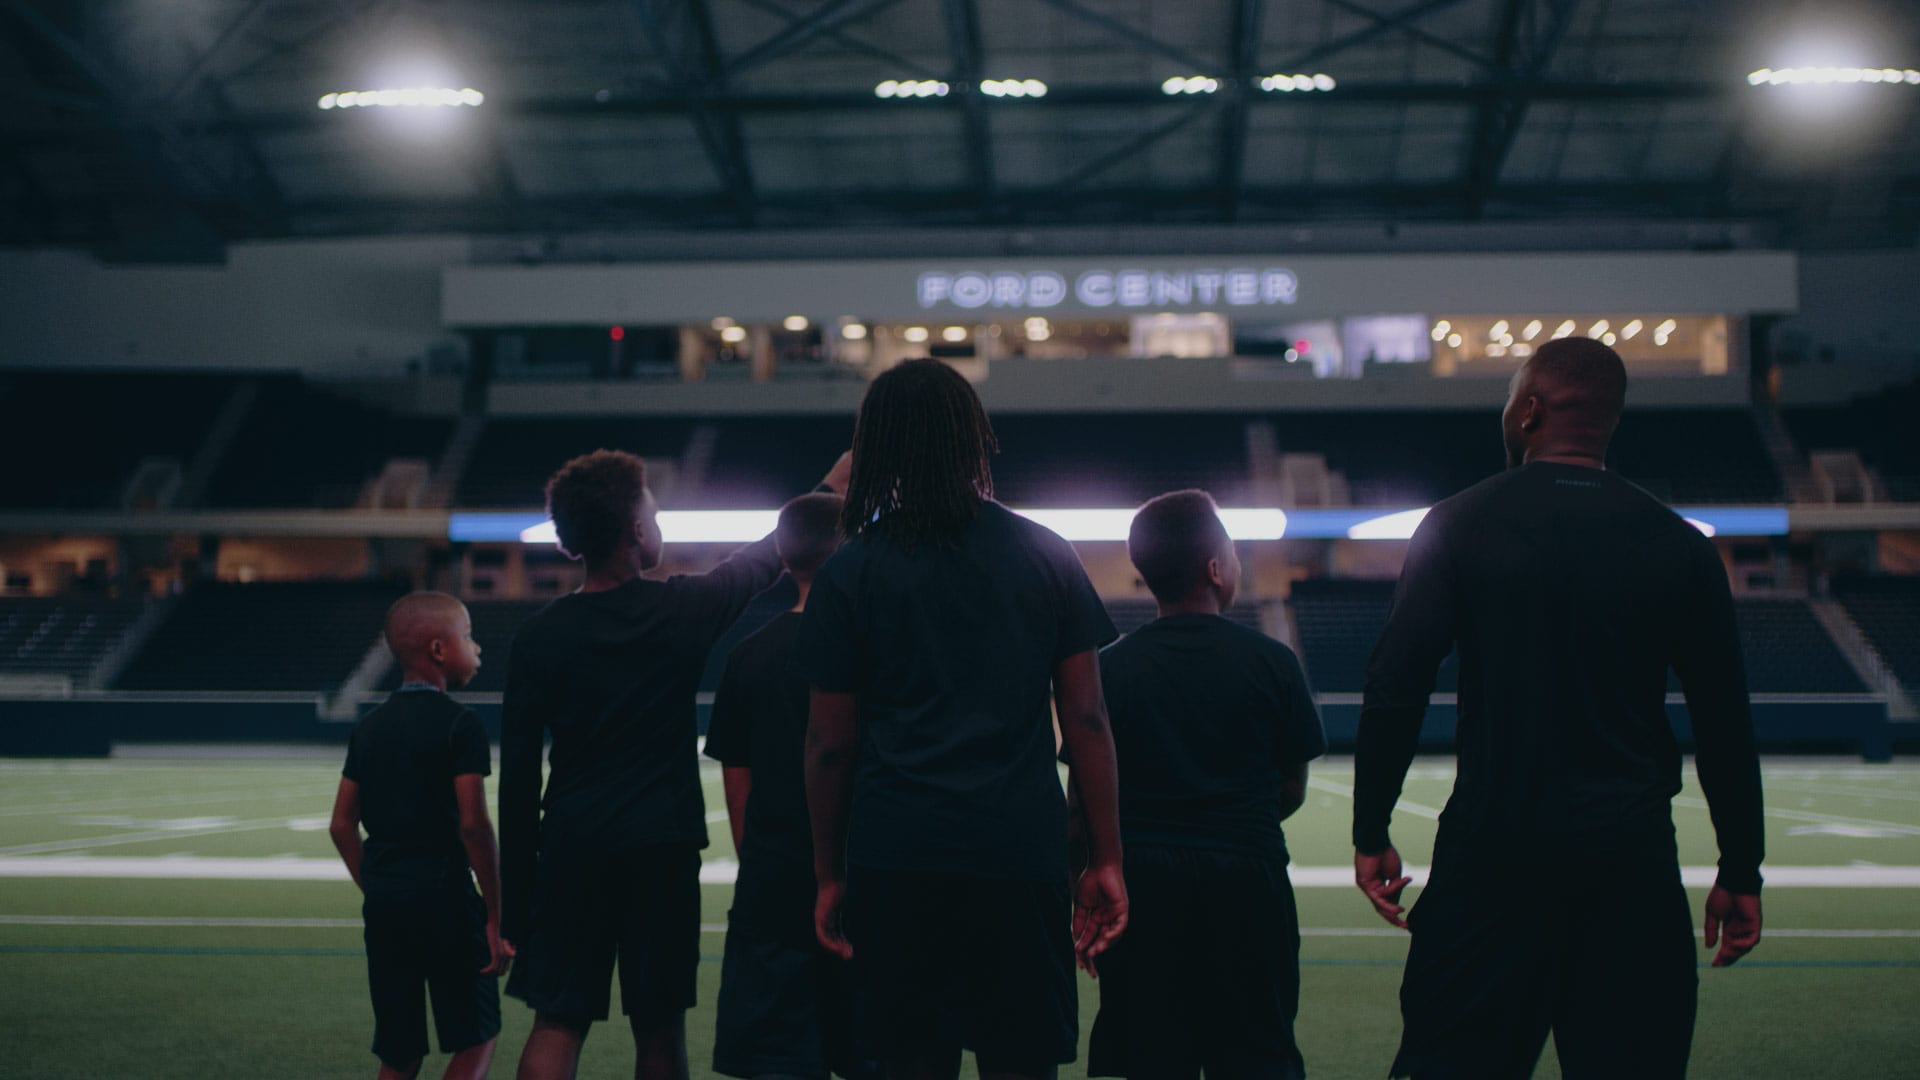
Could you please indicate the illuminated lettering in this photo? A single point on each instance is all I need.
(972, 290)
(1095, 288)
(1277, 287)
(1045, 289)
(934, 288)
(1132, 288)
(1008, 290)
(1170, 289)
(1207, 283)
(1243, 287)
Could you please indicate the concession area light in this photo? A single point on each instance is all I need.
(1094, 524)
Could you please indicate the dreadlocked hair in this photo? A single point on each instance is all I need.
(920, 456)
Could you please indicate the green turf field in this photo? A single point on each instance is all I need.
(174, 917)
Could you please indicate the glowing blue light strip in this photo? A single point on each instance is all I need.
(1094, 525)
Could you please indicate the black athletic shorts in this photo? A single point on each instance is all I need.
(1599, 949)
(1207, 976)
(641, 908)
(433, 936)
(961, 962)
(787, 1006)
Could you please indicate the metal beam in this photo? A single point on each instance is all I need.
(963, 42)
(852, 43)
(188, 81)
(836, 13)
(1133, 147)
(1409, 30)
(1523, 59)
(693, 61)
(1398, 20)
(1189, 64)
(1244, 46)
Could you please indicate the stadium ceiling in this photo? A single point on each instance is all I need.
(167, 128)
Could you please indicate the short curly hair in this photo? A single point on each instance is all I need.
(592, 499)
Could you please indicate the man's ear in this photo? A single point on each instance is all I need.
(1216, 574)
(1530, 420)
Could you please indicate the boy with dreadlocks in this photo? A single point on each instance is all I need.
(932, 642)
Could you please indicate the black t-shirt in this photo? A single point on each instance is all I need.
(612, 677)
(1570, 593)
(1207, 718)
(759, 722)
(951, 649)
(403, 756)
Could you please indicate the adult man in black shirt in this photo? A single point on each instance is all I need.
(1569, 593)
(1213, 726)
(787, 1007)
(607, 863)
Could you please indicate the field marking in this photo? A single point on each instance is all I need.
(180, 920)
(1416, 809)
(1819, 819)
(52, 846)
(723, 871)
(1849, 793)
(317, 793)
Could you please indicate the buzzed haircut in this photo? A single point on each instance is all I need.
(1581, 375)
(920, 456)
(591, 501)
(416, 619)
(1171, 539)
(809, 531)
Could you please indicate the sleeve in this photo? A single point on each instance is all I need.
(1713, 678)
(1084, 623)
(354, 769)
(830, 646)
(468, 740)
(1419, 634)
(1302, 736)
(729, 727)
(714, 600)
(522, 737)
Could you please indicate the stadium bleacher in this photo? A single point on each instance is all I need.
(281, 636)
(302, 445)
(1887, 611)
(61, 635)
(1789, 652)
(104, 423)
(1338, 622)
(1874, 427)
(1410, 459)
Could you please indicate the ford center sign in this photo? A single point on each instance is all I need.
(1038, 289)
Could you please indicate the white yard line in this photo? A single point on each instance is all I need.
(1808, 815)
(724, 871)
(52, 846)
(318, 794)
(1320, 783)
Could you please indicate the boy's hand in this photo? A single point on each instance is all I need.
(1099, 913)
(500, 952)
(1379, 876)
(1739, 917)
(841, 475)
(829, 906)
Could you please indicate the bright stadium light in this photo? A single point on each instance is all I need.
(1085, 526)
(411, 97)
(1395, 526)
(1013, 88)
(911, 88)
(1189, 84)
(795, 323)
(1833, 76)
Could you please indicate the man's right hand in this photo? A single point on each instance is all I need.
(829, 910)
(500, 952)
(1099, 913)
(1733, 923)
(1379, 875)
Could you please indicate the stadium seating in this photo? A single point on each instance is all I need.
(761, 462)
(294, 636)
(72, 440)
(61, 635)
(1878, 427)
(1130, 614)
(1887, 610)
(1408, 459)
(1787, 650)
(304, 446)
(514, 458)
(1338, 623)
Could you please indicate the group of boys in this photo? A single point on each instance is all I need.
(906, 886)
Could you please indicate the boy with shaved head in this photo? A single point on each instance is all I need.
(416, 777)
(1555, 901)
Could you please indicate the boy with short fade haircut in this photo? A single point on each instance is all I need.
(787, 1006)
(1214, 725)
(416, 776)
(605, 865)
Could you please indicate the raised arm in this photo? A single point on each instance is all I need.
(1419, 634)
(1713, 677)
(721, 594)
